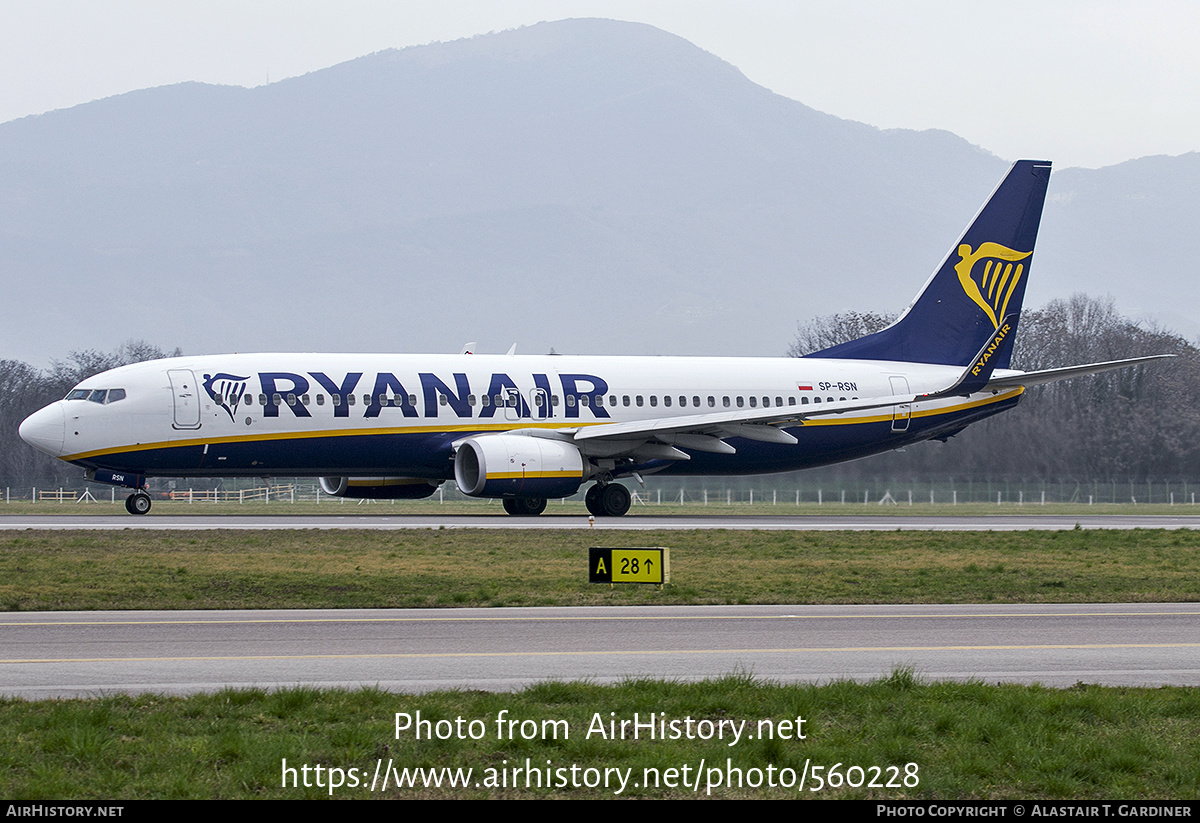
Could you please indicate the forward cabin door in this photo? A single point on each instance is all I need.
(187, 398)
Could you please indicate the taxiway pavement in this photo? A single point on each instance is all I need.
(1006, 522)
(59, 654)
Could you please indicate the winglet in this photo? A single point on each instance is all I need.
(979, 373)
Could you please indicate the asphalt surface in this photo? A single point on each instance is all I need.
(1007, 522)
(58, 654)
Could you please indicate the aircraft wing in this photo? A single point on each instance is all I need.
(1036, 378)
(707, 432)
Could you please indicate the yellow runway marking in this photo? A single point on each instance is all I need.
(402, 656)
(610, 618)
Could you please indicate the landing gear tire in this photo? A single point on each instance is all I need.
(525, 506)
(614, 500)
(592, 500)
(138, 503)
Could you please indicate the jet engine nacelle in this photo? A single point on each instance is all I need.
(516, 465)
(379, 488)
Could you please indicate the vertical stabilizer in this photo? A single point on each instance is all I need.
(975, 295)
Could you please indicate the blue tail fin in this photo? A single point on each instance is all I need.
(979, 284)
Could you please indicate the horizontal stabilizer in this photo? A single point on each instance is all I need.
(1037, 378)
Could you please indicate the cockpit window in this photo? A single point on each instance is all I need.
(102, 396)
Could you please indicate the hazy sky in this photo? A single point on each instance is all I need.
(1080, 83)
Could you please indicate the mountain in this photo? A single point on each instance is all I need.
(587, 185)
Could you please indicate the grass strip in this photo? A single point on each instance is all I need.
(967, 740)
(135, 569)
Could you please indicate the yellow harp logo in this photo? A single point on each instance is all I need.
(992, 284)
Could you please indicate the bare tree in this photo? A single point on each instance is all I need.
(24, 390)
(1135, 424)
(831, 329)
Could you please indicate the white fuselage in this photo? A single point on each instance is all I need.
(323, 414)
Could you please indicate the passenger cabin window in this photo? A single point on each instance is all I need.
(654, 400)
(639, 400)
(321, 399)
(712, 402)
(753, 401)
(667, 400)
(625, 400)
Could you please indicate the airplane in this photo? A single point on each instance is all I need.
(527, 428)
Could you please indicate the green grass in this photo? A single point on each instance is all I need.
(137, 569)
(968, 740)
(449, 568)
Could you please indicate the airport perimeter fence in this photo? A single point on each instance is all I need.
(781, 491)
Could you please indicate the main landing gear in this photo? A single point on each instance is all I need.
(527, 506)
(137, 503)
(609, 500)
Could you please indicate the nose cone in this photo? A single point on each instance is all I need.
(45, 429)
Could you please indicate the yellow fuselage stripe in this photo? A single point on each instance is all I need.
(497, 426)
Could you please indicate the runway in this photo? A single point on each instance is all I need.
(1005, 522)
(60, 654)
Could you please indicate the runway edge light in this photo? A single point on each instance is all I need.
(651, 566)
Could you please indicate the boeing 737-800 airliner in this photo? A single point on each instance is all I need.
(525, 429)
